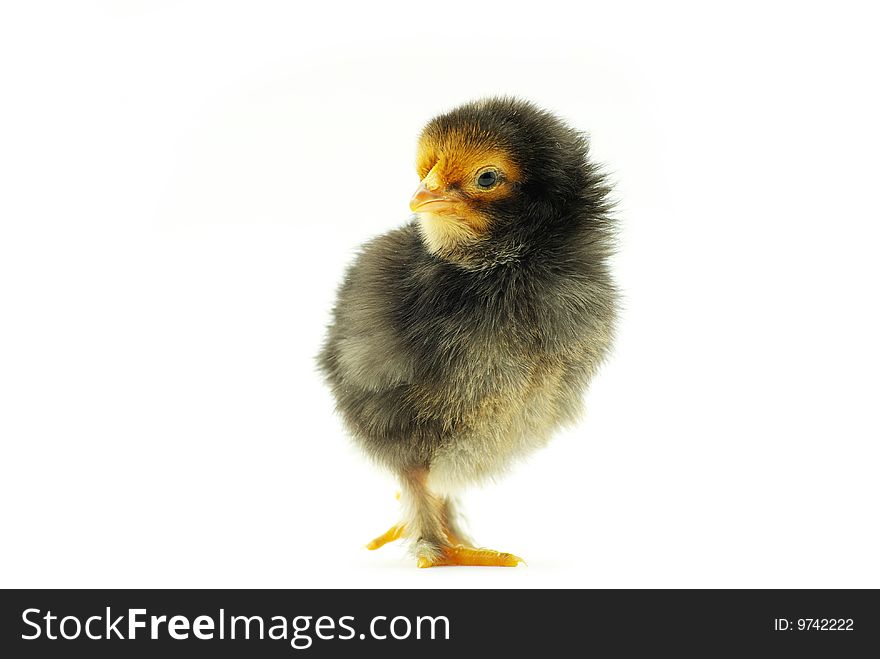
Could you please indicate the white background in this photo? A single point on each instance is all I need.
(182, 184)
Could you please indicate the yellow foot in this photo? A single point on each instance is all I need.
(462, 555)
(390, 535)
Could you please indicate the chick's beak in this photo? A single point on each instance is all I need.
(425, 200)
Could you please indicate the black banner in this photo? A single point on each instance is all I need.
(338, 623)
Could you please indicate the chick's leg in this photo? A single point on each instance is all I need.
(424, 515)
(431, 522)
(451, 525)
(451, 528)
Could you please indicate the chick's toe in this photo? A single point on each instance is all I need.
(392, 534)
(463, 555)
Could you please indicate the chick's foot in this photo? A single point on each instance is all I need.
(392, 534)
(463, 555)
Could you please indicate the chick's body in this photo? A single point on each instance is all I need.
(461, 340)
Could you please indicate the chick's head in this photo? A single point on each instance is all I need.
(496, 170)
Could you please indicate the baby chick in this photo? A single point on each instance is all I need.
(461, 340)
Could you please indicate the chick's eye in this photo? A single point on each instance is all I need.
(487, 178)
